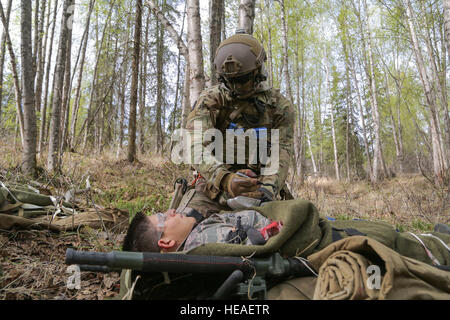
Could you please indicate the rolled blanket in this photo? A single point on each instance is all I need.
(362, 268)
(343, 276)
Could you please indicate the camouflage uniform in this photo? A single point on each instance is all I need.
(216, 228)
(217, 109)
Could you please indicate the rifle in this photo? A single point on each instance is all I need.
(247, 276)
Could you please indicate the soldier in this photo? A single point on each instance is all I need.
(241, 101)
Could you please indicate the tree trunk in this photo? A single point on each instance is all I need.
(247, 15)
(267, 14)
(333, 130)
(131, 155)
(430, 98)
(197, 76)
(183, 49)
(13, 61)
(312, 155)
(299, 135)
(40, 56)
(2, 54)
(94, 83)
(186, 108)
(143, 88)
(54, 159)
(447, 25)
(169, 28)
(122, 87)
(361, 112)
(287, 77)
(347, 122)
(178, 88)
(29, 146)
(445, 146)
(159, 87)
(377, 159)
(398, 153)
(67, 88)
(215, 28)
(42, 131)
(76, 105)
(36, 40)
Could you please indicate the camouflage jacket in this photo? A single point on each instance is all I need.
(217, 109)
(216, 228)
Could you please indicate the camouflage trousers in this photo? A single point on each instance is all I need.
(196, 198)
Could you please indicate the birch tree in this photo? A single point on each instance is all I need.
(377, 158)
(447, 25)
(54, 156)
(247, 15)
(333, 129)
(215, 30)
(83, 47)
(159, 85)
(131, 155)
(2, 53)
(184, 50)
(17, 88)
(40, 56)
(42, 128)
(29, 145)
(438, 163)
(197, 76)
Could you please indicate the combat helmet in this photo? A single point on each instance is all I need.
(240, 56)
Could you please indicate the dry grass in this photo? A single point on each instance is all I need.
(408, 202)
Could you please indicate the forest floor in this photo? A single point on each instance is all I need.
(32, 261)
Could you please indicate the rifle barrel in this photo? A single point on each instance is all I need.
(274, 266)
(156, 262)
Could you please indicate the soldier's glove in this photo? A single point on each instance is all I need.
(263, 194)
(235, 185)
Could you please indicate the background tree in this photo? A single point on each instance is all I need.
(54, 155)
(29, 145)
(131, 155)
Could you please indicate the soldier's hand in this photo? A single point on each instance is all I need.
(236, 184)
(263, 194)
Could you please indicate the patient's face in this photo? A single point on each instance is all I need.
(176, 225)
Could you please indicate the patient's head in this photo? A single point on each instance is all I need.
(159, 232)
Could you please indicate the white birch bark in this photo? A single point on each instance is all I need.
(197, 75)
(247, 15)
(29, 145)
(53, 159)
